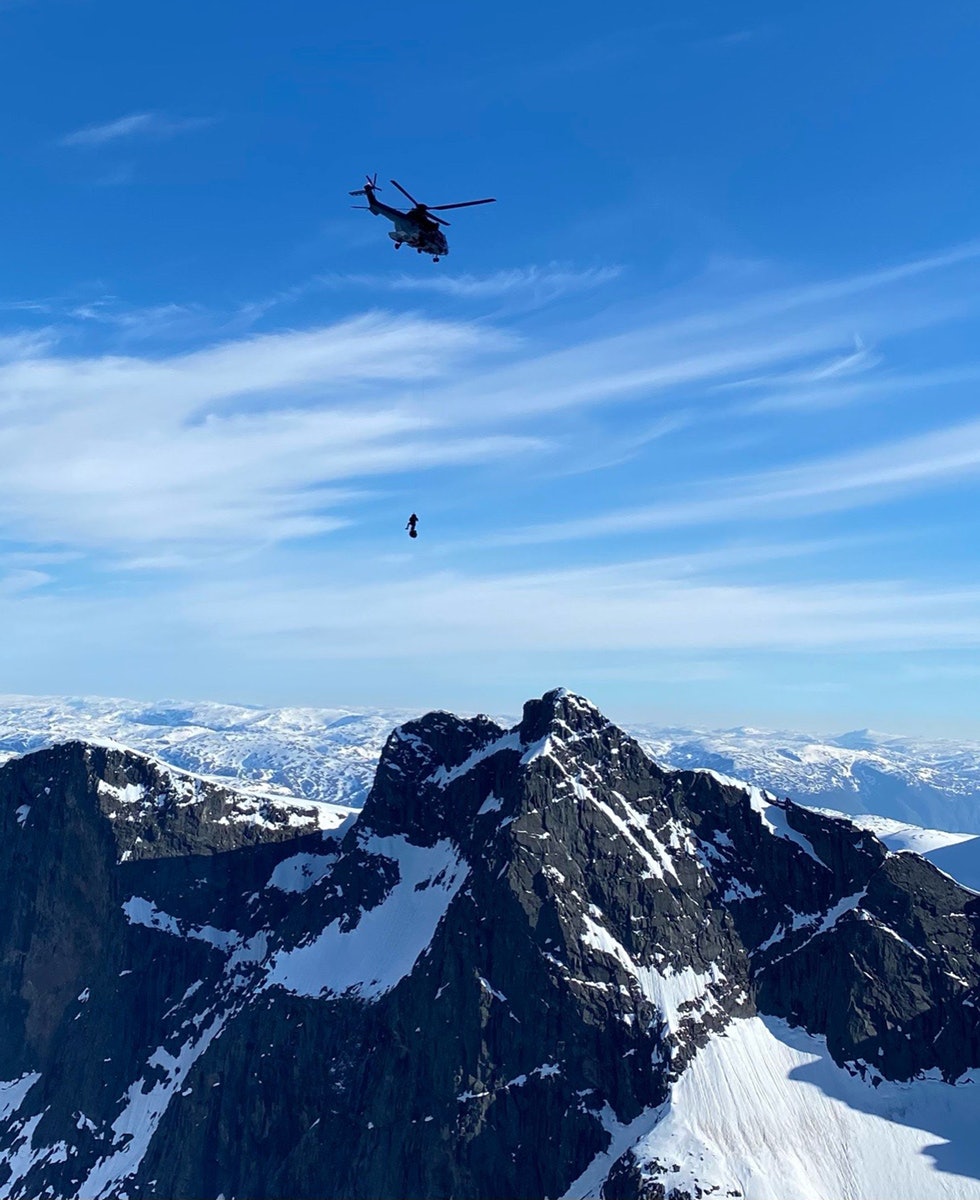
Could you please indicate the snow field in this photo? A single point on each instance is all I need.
(385, 944)
(764, 1109)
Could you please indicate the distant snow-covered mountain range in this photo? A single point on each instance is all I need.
(325, 755)
(329, 755)
(926, 782)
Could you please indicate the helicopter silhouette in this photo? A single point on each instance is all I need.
(417, 227)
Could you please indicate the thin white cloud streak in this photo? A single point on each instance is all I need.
(654, 358)
(622, 368)
(739, 37)
(369, 349)
(14, 583)
(613, 451)
(728, 557)
(737, 555)
(518, 289)
(938, 458)
(838, 393)
(930, 672)
(25, 344)
(35, 558)
(624, 608)
(829, 292)
(542, 283)
(837, 289)
(782, 309)
(31, 306)
(115, 451)
(857, 362)
(140, 124)
(97, 135)
(531, 617)
(776, 331)
(152, 321)
(397, 622)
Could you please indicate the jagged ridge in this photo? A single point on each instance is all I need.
(524, 941)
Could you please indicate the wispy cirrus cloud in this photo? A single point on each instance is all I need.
(266, 438)
(134, 125)
(253, 440)
(856, 362)
(26, 344)
(516, 287)
(836, 392)
(634, 608)
(630, 607)
(940, 457)
(154, 322)
(812, 336)
(737, 37)
(542, 283)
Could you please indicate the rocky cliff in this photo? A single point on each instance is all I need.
(490, 985)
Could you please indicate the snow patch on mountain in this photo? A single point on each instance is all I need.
(140, 911)
(956, 854)
(13, 1091)
(145, 1105)
(899, 835)
(774, 819)
(383, 946)
(674, 992)
(301, 872)
(763, 1109)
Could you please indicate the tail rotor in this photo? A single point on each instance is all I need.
(370, 184)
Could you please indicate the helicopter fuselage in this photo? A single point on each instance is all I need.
(411, 229)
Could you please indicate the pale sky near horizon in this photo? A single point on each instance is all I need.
(689, 415)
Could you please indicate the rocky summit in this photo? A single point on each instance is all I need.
(535, 965)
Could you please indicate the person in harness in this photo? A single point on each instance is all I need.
(412, 522)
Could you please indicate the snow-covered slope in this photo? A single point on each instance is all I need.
(958, 854)
(765, 1108)
(330, 754)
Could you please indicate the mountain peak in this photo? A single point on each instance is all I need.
(418, 760)
(559, 707)
(422, 758)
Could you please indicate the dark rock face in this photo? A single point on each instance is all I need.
(523, 940)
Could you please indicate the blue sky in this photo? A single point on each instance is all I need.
(689, 416)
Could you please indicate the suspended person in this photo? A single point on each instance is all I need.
(412, 522)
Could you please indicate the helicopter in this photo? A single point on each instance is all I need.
(417, 227)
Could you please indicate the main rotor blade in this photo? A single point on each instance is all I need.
(404, 193)
(438, 220)
(465, 203)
